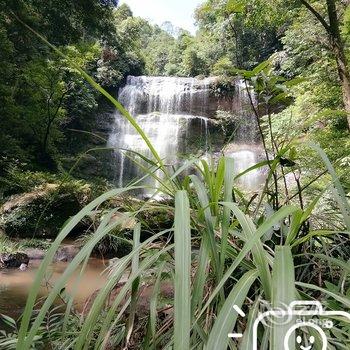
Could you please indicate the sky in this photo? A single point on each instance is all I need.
(179, 12)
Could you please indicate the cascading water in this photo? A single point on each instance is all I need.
(245, 150)
(177, 115)
(166, 109)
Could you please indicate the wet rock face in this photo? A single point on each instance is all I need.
(13, 260)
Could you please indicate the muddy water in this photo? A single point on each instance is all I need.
(15, 284)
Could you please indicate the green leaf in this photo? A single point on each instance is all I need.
(226, 320)
(259, 68)
(339, 297)
(182, 299)
(24, 337)
(311, 234)
(209, 220)
(247, 341)
(200, 278)
(234, 6)
(228, 187)
(8, 321)
(263, 228)
(258, 251)
(135, 285)
(339, 192)
(283, 293)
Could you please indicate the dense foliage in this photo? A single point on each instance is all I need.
(42, 98)
(45, 102)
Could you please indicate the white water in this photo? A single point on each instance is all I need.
(175, 114)
(245, 159)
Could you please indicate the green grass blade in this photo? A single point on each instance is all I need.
(135, 285)
(254, 167)
(218, 182)
(109, 321)
(226, 320)
(337, 296)
(225, 223)
(200, 278)
(209, 220)
(263, 228)
(153, 305)
(259, 254)
(247, 341)
(339, 194)
(294, 226)
(182, 302)
(60, 283)
(120, 269)
(337, 262)
(49, 257)
(283, 293)
(311, 234)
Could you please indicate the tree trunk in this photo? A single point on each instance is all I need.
(339, 53)
(337, 45)
(344, 78)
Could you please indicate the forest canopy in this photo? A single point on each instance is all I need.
(43, 98)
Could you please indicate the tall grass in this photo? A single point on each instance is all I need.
(221, 251)
(218, 258)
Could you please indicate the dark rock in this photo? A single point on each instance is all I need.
(64, 253)
(13, 260)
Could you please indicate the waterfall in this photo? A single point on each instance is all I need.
(177, 114)
(244, 159)
(245, 151)
(167, 111)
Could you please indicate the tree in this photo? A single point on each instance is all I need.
(332, 28)
(247, 30)
(122, 13)
(192, 64)
(35, 86)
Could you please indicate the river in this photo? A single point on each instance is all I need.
(15, 284)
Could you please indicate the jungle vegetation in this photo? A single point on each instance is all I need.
(61, 59)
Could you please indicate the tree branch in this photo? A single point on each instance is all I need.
(317, 15)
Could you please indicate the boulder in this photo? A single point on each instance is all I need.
(23, 267)
(13, 260)
(66, 252)
(35, 253)
(42, 212)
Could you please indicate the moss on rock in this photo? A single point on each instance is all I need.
(42, 212)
